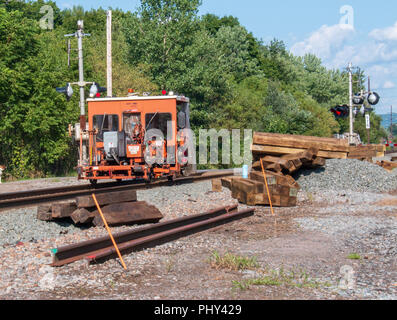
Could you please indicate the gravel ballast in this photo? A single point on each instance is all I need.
(22, 225)
(347, 174)
(372, 242)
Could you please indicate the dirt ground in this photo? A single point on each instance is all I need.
(186, 272)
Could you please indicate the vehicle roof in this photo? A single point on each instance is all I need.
(137, 98)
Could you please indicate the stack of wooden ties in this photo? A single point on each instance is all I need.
(367, 152)
(118, 208)
(282, 186)
(283, 155)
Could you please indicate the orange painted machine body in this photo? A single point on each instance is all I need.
(121, 145)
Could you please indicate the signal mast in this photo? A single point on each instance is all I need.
(81, 129)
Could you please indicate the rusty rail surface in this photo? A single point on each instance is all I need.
(33, 197)
(102, 249)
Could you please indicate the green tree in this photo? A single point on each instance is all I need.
(18, 43)
(213, 23)
(236, 57)
(159, 35)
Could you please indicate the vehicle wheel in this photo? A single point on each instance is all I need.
(172, 178)
(149, 179)
(119, 180)
(93, 182)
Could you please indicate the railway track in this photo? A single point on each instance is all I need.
(102, 249)
(39, 196)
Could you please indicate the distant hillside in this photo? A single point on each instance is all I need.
(386, 119)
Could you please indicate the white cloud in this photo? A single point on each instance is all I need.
(325, 41)
(337, 46)
(375, 52)
(389, 33)
(388, 85)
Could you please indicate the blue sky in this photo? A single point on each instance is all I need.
(364, 32)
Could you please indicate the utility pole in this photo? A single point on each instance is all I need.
(391, 124)
(368, 121)
(109, 53)
(79, 34)
(69, 50)
(351, 119)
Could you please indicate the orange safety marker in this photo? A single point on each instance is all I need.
(267, 188)
(110, 234)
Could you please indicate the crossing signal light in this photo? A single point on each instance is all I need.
(358, 99)
(67, 91)
(341, 112)
(96, 90)
(373, 98)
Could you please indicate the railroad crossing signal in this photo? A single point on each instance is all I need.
(373, 98)
(358, 99)
(67, 91)
(341, 111)
(96, 89)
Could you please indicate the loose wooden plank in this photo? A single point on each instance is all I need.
(369, 153)
(63, 210)
(389, 166)
(227, 183)
(319, 162)
(371, 147)
(251, 199)
(82, 216)
(216, 185)
(297, 163)
(304, 156)
(316, 163)
(249, 186)
(342, 142)
(298, 142)
(128, 213)
(274, 178)
(106, 199)
(275, 167)
(280, 151)
(44, 213)
(282, 162)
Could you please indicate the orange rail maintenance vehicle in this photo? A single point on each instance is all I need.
(135, 137)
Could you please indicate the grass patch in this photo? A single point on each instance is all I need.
(310, 197)
(232, 262)
(281, 278)
(169, 265)
(354, 256)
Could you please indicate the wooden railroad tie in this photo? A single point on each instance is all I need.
(118, 208)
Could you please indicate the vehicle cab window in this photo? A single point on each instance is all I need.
(105, 123)
(158, 121)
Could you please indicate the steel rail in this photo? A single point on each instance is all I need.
(101, 249)
(33, 197)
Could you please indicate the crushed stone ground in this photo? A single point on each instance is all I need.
(317, 240)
